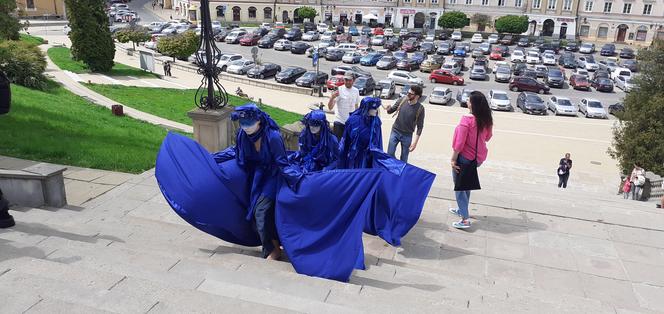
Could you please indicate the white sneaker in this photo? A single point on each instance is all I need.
(455, 211)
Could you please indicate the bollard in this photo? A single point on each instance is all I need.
(117, 110)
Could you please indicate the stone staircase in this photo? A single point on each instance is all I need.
(533, 248)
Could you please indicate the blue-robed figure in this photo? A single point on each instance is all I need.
(361, 135)
(318, 147)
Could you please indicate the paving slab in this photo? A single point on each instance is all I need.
(114, 178)
(650, 297)
(600, 266)
(618, 293)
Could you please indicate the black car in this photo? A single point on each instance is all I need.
(264, 70)
(428, 47)
(340, 70)
(261, 31)
(518, 68)
(556, 43)
(529, 73)
(627, 53)
(289, 75)
(444, 48)
(531, 103)
(309, 27)
(538, 42)
(267, 41)
(365, 85)
(221, 36)
(504, 50)
(299, 47)
(334, 54)
(507, 40)
(339, 29)
(277, 32)
(311, 78)
(523, 42)
(555, 78)
(413, 34)
(608, 50)
(443, 35)
(572, 46)
(393, 44)
(601, 74)
(602, 85)
(549, 46)
(617, 107)
(568, 63)
(461, 61)
(632, 65)
(294, 34)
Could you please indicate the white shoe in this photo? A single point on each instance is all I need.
(455, 211)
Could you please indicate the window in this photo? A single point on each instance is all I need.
(485, 2)
(647, 8)
(567, 5)
(468, 2)
(584, 30)
(518, 3)
(30, 4)
(420, 1)
(252, 12)
(588, 7)
(602, 31)
(607, 7)
(551, 5)
(627, 8)
(641, 33)
(537, 4)
(267, 13)
(452, 2)
(221, 11)
(501, 3)
(434, 1)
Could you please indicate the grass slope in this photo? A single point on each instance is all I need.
(59, 127)
(173, 104)
(62, 58)
(31, 39)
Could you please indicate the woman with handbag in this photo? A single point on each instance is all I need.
(638, 179)
(470, 151)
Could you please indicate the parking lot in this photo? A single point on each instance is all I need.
(286, 58)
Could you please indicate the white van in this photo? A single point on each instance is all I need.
(347, 47)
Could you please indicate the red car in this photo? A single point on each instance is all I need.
(579, 82)
(496, 54)
(445, 77)
(378, 31)
(250, 40)
(335, 81)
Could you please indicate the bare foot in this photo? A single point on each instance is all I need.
(275, 255)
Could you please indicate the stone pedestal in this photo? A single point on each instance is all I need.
(213, 129)
(291, 133)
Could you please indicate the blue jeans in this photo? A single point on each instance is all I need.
(395, 138)
(462, 197)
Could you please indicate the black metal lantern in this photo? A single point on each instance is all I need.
(210, 94)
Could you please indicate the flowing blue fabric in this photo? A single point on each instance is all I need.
(317, 151)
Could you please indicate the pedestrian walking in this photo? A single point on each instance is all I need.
(410, 115)
(638, 179)
(167, 68)
(564, 167)
(344, 101)
(469, 145)
(627, 185)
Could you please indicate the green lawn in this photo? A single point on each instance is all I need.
(59, 127)
(32, 39)
(62, 58)
(173, 104)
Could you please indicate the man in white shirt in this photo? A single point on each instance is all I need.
(343, 101)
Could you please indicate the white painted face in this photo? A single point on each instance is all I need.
(314, 129)
(373, 112)
(251, 129)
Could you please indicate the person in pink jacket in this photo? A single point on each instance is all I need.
(478, 123)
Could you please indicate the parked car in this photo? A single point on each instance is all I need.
(282, 45)
(519, 68)
(496, 54)
(429, 65)
(234, 36)
(445, 47)
(452, 67)
(522, 83)
(378, 40)
(555, 78)
(631, 64)
(371, 59)
(587, 48)
(592, 108)
(460, 51)
(477, 38)
(299, 47)
(568, 63)
(409, 64)
(608, 50)
(366, 30)
(351, 57)
(445, 77)
(608, 65)
(572, 46)
(478, 73)
(365, 85)
(456, 35)
(523, 42)
(562, 106)
(322, 27)
(602, 85)
(627, 53)
(588, 63)
(529, 73)
(378, 31)
(264, 70)
(404, 78)
(387, 87)
(549, 59)
(440, 95)
(388, 32)
(250, 39)
(410, 45)
(507, 40)
(241, 66)
(293, 34)
(393, 44)
(582, 72)
(386, 63)
(499, 100)
(267, 41)
(532, 57)
(329, 35)
(311, 78)
(518, 56)
(289, 75)
(335, 54)
(344, 38)
(227, 59)
(601, 74)
(310, 36)
(427, 48)
(626, 83)
(616, 108)
(277, 32)
(309, 26)
(463, 95)
(493, 38)
(621, 72)
(502, 74)
(579, 82)
(531, 103)
(335, 81)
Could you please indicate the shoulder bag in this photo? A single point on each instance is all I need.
(467, 179)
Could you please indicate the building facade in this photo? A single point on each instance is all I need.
(42, 8)
(635, 22)
(418, 13)
(552, 18)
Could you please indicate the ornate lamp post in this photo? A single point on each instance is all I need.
(210, 94)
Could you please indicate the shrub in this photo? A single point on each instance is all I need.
(23, 63)
(453, 19)
(180, 46)
(137, 34)
(91, 40)
(513, 24)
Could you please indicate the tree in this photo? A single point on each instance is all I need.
(180, 46)
(453, 19)
(134, 34)
(513, 24)
(90, 36)
(482, 20)
(9, 23)
(307, 13)
(639, 135)
(24, 63)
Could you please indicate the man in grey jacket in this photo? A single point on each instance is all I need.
(410, 115)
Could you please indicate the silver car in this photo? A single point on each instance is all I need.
(282, 44)
(440, 95)
(625, 83)
(378, 40)
(453, 67)
(241, 66)
(387, 88)
(562, 106)
(500, 100)
(503, 74)
(592, 108)
(404, 78)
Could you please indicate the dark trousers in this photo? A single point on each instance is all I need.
(338, 129)
(265, 225)
(562, 180)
